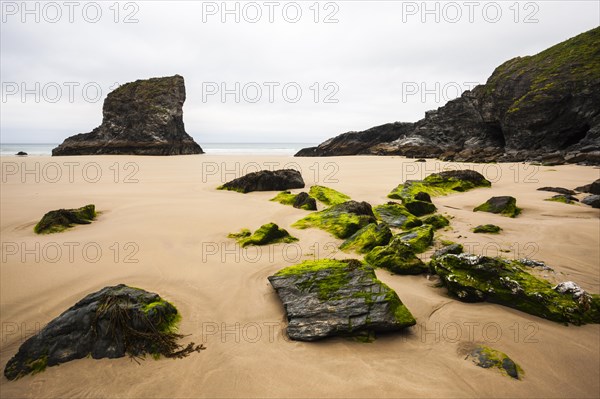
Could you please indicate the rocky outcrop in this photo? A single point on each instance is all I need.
(62, 219)
(489, 358)
(144, 117)
(396, 215)
(21, 154)
(367, 238)
(592, 188)
(110, 323)
(592, 200)
(534, 108)
(559, 190)
(337, 297)
(266, 234)
(398, 257)
(265, 180)
(472, 278)
(487, 228)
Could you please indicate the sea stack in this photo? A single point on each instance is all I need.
(144, 117)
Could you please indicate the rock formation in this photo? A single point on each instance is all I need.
(337, 297)
(144, 117)
(109, 323)
(542, 107)
(265, 180)
(62, 219)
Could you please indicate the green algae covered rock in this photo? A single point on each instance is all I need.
(473, 278)
(327, 195)
(442, 183)
(396, 215)
(301, 200)
(337, 297)
(62, 219)
(489, 358)
(341, 220)
(504, 205)
(419, 239)
(487, 228)
(397, 257)
(367, 238)
(563, 198)
(110, 323)
(268, 233)
(437, 221)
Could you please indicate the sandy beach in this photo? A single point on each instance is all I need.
(163, 227)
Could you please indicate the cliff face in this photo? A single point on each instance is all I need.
(144, 117)
(543, 107)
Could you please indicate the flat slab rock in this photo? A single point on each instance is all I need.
(337, 297)
(266, 180)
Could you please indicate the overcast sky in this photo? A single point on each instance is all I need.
(314, 71)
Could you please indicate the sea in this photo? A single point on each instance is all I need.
(10, 149)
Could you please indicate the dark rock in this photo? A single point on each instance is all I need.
(398, 257)
(592, 188)
(437, 221)
(266, 234)
(305, 201)
(592, 200)
(419, 208)
(584, 189)
(487, 228)
(421, 196)
(559, 190)
(341, 220)
(534, 108)
(367, 238)
(61, 219)
(396, 215)
(337, 297)
(144, 117)
(266, 180)
(421, 160)
(487, 357)
(535, 264)
(472, 278)
(109, 323)
(566, 199)
(448, 249)
(504, 205)
(21, 153)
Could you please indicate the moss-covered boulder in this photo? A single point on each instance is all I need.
(265, 180)
(397, 257)
(418, 207)
(437, 221)
(300, 201)
(327, 195)
(489, 358)
(268, 233)
(62, 219)
(473, 278)
(341, 220)
(442, 183)
(396, 215)
(487, 228)
(337, 297)
(419, 239)
(110, 323)
(504, 205)
(367, 238)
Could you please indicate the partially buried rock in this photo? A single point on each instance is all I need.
(21, 153)
(472, 278)
(337, 297)
(266, 180)
(592, 200)
(110, 323)
(268, 233)
(565, 199)
(442, 183)
(367, 238)
(396, 215)
(327, 195)
(504, 205)
(592, 188)
(559, 190)
(62, 219)
(398, 257)
(437, 221)
(487, 228)
(301, 200)
(144, 117)
(487, 358)
(341, 220)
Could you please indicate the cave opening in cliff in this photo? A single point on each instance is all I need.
(496, 134)
(574, 136)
